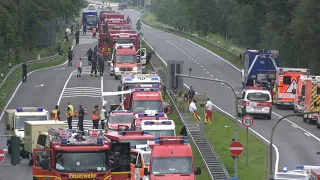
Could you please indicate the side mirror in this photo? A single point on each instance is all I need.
(294, 91)
(198, 171)
(146, 172)
(8, 127)
(137, 166)
(119, 88)
(45, 164)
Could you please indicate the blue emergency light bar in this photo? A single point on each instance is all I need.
(285, 169)
(99, 141)
(143, 89)
(39, 109)
(300, 167)
(155, 79)
(154, 85)
(157, 123)
(184, 141)
(64, 141)
(146, 115)
(128, 79)
(72, 130)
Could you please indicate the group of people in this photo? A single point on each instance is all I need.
(189, 97)
(70, 113)
(95, 59)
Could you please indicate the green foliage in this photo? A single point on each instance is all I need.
(21, 21)
(290, 26)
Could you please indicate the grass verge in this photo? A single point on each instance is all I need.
(150, 20)
(220, 133)
(15, 78)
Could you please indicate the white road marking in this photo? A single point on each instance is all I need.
(17, 88)
(307, 134)
(42, 85)
(211, 75)
(64, 87)
(81, 91)
(207, 72)
(294, 126)
(229, 87)
(225, 112)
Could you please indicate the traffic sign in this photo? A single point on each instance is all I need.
(140, 35)
(247, 120)
(138, 27)
(2, 155)
(236, 148)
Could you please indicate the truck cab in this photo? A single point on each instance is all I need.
(140, 159)
(119, 117)
(172, 158)
(148, 115)
(90, 18)
(69, 155)
(14, 121)
(123, 58)
(139, 80)
(298, 103)
(159, 127)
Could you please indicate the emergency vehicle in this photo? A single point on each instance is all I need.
(140, 159)
(311, 98)
(124, 38)
(172, 158)
(255, 101)
(148, 115)
(132, 137)
(131, 81)
(315, 174)
(286, 174)
(119, 117)
(286, 83)
(298, 104)
(14, 123)
(67, 155)
(123, 58)
(159, 127)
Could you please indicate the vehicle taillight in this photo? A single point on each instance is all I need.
(245, 103)
(264, 104)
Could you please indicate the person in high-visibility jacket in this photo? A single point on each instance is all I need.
(69, 117)
(71, 108)
(95, 117)
(103, 116)
(55, 114)
(94, 32)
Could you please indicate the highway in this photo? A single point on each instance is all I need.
(297, 142)
(44, 88)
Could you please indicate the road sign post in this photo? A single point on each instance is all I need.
(202, 101)
(2, 155)
(247, 121)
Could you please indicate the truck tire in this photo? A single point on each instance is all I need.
(268, 117)
(318, 125)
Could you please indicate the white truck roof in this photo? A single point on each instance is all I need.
(50, 122)
(157, 125)
(124, 46)
(152, 77)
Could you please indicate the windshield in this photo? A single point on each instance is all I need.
(172, 165)
(21, 119)
(126, 58)
(82, 161)
(140, 106)
(258, 96)
(157, 133)
(91, 19)
(134, 142)
(146, 158)
(125, 41)
(121, 119)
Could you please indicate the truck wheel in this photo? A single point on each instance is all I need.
(115, 77)
(268, 117)
(309, 121)
(318, 125)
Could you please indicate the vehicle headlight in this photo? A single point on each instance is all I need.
(135, 69)
(116, 69)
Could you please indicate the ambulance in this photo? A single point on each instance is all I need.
(159, 127)
(148, 115)
(311, 96)
(298, 104)
(286, 84)
(140, 159)
(131, 81)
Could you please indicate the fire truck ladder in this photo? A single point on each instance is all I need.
(209, 156)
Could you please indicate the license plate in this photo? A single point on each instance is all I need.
(259, 109)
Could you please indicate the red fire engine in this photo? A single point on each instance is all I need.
(132, 137)
(69, 156)
(119, 117)
(172, 157)
(315, 174)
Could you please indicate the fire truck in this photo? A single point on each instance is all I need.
(310, 96)
(131, 81)
(124, 58)
(148, 115)
(67, 155)
(140, 159)
(286, 84)
(315, 174)
(132, 137)
(172, 158)
(159, 127)
(119, 117)
(298, 104)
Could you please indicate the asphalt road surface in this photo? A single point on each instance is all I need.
(43, 88)
(297, 142)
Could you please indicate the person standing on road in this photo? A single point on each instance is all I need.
(55, 114)
(209, 107)
(94, 67)
(80, 118)
(71, 107)
(77, 34)
(89, 55)
(193, 110)
(84, 32)
(69, 117)
(79, 67)
(101, 65)
(103, 116)
(70, 56)
(24, 72)
(94, 32)
(95, 117)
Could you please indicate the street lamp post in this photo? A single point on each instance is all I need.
(271, 173)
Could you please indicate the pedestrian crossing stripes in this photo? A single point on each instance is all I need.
(82, 91)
